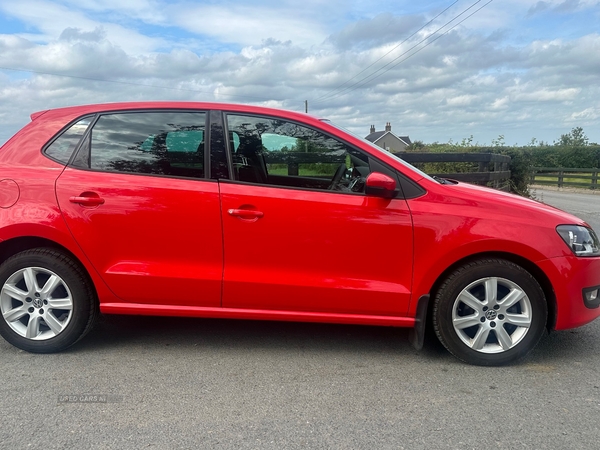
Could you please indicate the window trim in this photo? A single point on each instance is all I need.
(217, 119)
(81, 144)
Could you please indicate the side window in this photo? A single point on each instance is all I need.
(277, 152)
(162, 143)
(62, 148)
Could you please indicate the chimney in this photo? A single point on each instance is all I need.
(372, 129)
(388, 126)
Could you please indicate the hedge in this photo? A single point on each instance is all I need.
(523, 159)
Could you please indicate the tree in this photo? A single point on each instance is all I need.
(499, 141)
(415, 146)
(575, 138)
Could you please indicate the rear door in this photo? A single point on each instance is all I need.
(137, 201)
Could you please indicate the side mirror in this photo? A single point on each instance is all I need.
(380, 185)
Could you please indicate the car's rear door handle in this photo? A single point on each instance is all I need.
(245, 213)
(87, 199)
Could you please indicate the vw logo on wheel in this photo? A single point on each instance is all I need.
(490, 314)
(38, 303)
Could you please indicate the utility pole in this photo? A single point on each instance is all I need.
(306, 106)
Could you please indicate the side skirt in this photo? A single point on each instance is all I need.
(254, 314)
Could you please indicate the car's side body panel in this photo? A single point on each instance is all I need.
(316, 251)
(152, 241)
(36, 215)
(449, 231)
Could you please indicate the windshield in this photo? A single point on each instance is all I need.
(380, 150)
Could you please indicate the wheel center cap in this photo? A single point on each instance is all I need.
(38, 303)
(490, 314)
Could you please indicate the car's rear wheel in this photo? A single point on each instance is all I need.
(490, 312)
(46, 301)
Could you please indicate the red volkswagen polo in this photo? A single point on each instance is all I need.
(231, 211)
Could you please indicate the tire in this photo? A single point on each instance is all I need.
(487, 329)
(46, 301)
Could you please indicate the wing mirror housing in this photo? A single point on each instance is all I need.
(380, 185)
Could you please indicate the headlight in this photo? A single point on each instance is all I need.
(581, 240)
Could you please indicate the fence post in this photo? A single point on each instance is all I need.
(293, 168)
(595, 179)
(560, 178)
(496, 182)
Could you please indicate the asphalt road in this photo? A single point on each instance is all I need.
(171, 383)
(584, 205)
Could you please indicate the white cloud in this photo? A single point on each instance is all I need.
(248, 24)
(586, 116)
(475, 80)
(501, 103)
(523, 94)
(462, 100)
(52, 19)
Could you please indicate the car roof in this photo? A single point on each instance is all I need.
(125, 106)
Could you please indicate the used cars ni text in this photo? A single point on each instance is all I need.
(235, 211)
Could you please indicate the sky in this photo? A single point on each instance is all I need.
(438, 71)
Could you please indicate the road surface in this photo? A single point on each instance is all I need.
(582, 204)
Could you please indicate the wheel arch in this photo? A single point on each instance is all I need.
(16, 245)
(526, 264)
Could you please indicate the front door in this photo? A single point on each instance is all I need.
(303, 236)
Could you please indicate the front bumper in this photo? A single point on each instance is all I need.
(571, 277)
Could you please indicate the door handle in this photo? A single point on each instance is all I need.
(87, 199)
(245, 213)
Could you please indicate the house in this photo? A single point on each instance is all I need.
(388, 140)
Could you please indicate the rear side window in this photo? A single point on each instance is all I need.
(63, 147)
(161, 143)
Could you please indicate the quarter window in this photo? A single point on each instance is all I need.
(63, 147)
(277, 152)
(162, 143)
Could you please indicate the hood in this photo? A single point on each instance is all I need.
(493, 198)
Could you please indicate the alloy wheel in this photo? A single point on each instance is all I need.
(36, 303)
(492, 315)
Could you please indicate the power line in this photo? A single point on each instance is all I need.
(429, 43)
(360, 83)
(375, 62)
(376, 75)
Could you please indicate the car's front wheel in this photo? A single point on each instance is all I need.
(489, 312)
(46, 301)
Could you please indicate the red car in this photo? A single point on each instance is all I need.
(232, 211)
